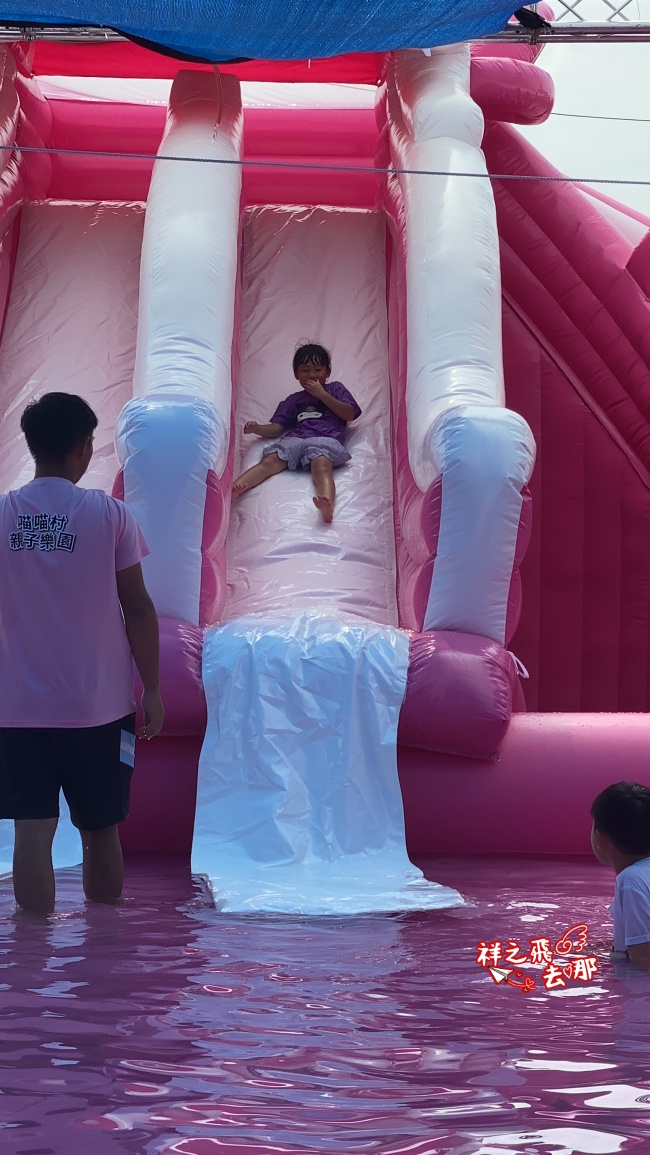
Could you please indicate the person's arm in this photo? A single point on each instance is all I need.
(272, 429)
(342, 409)
(141, 621)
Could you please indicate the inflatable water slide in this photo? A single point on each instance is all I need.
(474, 320)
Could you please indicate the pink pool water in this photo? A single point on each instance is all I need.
(163, 1026)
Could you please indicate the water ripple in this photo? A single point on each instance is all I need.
(164, 1027)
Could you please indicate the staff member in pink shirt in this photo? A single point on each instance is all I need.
(74, 611)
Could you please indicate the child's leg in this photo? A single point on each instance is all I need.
(258, 473)
(323, 478)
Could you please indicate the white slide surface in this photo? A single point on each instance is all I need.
(299, 806)
(315, 274)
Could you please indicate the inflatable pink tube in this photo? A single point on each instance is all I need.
(459, 694)
(512, 90)
(12, 180)
(163, 797)
(9, 105)
(535, 799)
(180, 669)
(459, 549)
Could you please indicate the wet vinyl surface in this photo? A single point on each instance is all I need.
(164, 1026)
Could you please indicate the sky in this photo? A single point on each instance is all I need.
(599, 80)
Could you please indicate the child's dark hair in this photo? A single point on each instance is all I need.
(315, 353)
(622, 812)
(55, 424)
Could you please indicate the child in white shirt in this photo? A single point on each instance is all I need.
(620, 838)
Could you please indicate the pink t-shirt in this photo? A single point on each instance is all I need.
(65, 659)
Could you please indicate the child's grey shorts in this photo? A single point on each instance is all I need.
(299, 452)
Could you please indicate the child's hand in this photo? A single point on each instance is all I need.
(314, 387)
(252, 427)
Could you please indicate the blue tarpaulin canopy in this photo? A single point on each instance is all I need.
(223, 30)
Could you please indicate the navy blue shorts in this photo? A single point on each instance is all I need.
(92, 765)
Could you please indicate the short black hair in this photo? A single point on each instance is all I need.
(622, 812)
(315, 353)
(55, 424)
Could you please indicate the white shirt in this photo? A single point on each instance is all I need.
(631, 906)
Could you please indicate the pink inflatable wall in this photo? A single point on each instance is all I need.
(577, 360)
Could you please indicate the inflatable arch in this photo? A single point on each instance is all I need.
(426, 287)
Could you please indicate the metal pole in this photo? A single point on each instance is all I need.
(581, 31)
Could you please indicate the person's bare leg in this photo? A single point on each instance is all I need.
(264, 469)
(323, 478)
(103, 866)
(33, 870)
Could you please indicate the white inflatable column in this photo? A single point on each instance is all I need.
(177, 427)
(458, 426)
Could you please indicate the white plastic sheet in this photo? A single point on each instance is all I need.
(315, 274)
(299, 806)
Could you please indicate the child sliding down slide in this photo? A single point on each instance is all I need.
(311, 427)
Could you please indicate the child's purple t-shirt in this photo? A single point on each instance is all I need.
(305, 416)
(65, 659)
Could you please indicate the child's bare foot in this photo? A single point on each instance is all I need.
(238, 488)
(325, 506)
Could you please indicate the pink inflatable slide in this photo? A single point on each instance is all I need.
(477, 322)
